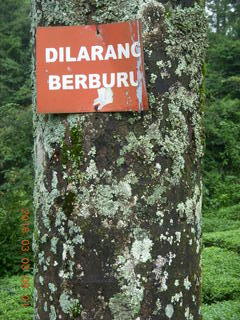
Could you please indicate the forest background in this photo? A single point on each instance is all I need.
(221, 165)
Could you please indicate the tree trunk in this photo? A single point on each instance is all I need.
(118, 195)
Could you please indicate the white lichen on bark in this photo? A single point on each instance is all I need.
(118, 196)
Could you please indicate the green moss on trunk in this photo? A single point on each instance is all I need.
(118, 196)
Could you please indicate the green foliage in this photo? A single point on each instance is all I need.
(10, 299)
(232, 212)
(226, 310)
(16, 172)
(221, 163)
(226, 218)
(213, 223)
(15, 136)
(222, 156)
(221, 269)
(16, 179)
(14, 52)
(10, 242)
(224, 17)
(223, 68)
(224, 239)
(222, 117)
(223, 135)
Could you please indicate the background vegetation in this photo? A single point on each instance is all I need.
(221, 169)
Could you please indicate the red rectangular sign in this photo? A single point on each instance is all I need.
(92, 68)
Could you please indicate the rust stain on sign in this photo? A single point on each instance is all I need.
(94, 68)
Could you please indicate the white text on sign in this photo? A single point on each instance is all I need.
(119, 51)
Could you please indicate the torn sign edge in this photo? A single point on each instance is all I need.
(141, 88)
(142, 99)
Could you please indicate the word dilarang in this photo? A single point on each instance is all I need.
(115, 52)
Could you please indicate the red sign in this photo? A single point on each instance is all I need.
(92, 68)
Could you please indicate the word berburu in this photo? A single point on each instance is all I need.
(92, 81)
(93, 53)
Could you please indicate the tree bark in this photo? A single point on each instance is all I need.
(118, 195)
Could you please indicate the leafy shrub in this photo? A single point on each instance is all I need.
(226, 310)
(222, 117)
(222, 64)
(221, 269)
(232, 212)
(222, 156)
(220, 190)
(16, 141)
(10, 240)
(16, 179)
(14, 52)
(222, 122)
(10, 299)
(225, 239)
(226, 218)
(215, 223)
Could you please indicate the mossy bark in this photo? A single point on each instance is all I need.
(118, 195)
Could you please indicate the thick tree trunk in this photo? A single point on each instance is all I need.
(118, 196)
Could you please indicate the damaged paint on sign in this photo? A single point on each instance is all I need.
(93, 68)
(105, 96)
